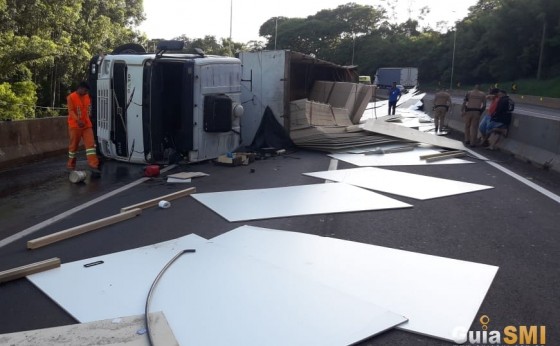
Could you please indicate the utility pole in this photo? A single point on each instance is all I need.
(230, 18)
(353, 46)
(230, 27)
(539, 69)
(453, 59)
(275, 31)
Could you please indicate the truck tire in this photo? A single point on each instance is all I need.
(129, 48)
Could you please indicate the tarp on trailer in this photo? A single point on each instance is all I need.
(271, 134)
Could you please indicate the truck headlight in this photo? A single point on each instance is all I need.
(238, 110)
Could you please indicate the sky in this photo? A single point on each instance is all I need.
(167, 19)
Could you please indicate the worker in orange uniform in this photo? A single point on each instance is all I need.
(80, 127)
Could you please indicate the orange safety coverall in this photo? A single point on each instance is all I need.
(79, 127)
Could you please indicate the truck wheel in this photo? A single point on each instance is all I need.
(129, 48)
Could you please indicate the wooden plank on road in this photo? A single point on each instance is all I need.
(121, 331)
(445, 153)
(19, 272)
(155, 201)
(445, 157)
(87, 227)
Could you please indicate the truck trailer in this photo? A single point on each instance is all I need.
(273, 79)
(159, 107)
(405, 76)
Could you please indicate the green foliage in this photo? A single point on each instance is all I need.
(48, 112)
(546, 88)
(499, 40)
(324, 33)
(51, 41)
(18, 53)
(208, 44)
(17, 100)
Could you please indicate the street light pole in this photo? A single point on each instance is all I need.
(353, 46)
(275, 31)
(453, 59)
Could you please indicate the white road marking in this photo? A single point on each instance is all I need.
(74, 210)
(516, 176)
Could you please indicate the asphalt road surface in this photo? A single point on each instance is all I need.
(513, 226)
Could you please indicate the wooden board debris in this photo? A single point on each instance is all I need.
(19, 272)
(155, 201)
(428, 156)
(446, 156)
(236, 159)
(125, 331)
(81, 229)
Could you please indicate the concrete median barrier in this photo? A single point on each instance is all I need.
(531, 138)
(24, 141)
(548, 102)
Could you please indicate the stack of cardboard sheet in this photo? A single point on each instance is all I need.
(332, 139)
(382, 127)
(350, 96)
(327, 120)
(305, 114)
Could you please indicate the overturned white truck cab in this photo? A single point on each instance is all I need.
(157, 108)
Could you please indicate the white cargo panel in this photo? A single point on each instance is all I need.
(263, 84)
(215, 76)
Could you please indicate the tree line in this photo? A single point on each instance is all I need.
(45, 45)
(499, 40)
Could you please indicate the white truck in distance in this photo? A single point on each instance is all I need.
(405, 76)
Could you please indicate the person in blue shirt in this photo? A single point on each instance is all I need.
(394, 96)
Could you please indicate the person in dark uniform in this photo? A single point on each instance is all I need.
(394, 96)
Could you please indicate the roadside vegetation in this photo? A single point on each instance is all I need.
(45, 45)
(545, 88)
